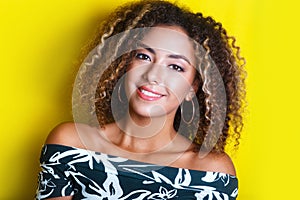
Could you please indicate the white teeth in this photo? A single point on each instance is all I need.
(150, 94)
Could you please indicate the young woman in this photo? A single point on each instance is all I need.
(155, 102)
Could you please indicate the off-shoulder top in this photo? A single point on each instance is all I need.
(84, 174)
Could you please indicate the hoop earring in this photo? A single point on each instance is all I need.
(182, 117)
(119, 93)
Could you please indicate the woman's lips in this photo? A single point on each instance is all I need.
(148, 94)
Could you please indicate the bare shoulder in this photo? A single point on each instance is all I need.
(66, 134)
(216, 162)
(220, 162)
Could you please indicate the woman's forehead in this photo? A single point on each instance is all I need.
(172, 39)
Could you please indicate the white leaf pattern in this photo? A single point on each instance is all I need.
(234, 193)
(215, 176)
(61, 163)
(163, 194)
(183, 178)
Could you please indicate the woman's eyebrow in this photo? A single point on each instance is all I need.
(176, 56)
(151, 50)
(140, 44)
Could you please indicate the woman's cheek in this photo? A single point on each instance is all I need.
(179, 87)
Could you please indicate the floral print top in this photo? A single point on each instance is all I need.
(84, 174)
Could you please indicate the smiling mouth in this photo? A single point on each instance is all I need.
(148, 94)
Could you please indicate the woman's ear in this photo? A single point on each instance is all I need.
(193, 90)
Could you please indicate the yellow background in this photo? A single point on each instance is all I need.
(40, 41)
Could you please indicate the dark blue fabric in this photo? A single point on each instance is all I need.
(83, 174)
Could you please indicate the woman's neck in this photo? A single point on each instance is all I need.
(145, 135)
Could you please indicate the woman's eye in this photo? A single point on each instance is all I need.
(143, 56)
(176, 68)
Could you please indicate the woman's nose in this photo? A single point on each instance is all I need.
(154, 73)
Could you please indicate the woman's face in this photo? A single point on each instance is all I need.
(162, 72)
